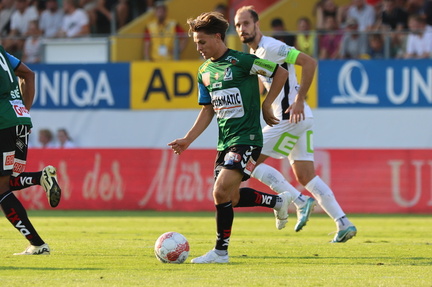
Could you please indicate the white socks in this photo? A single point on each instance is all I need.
(317, 187)
(274, 179)
(325, 197)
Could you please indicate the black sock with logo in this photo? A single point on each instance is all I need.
(25, 179)
(250, 197)
(17, 216)
(224, 222)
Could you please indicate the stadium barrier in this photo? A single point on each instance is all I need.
(363, 180)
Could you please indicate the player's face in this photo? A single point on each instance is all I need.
(206, 44)
(245, 26)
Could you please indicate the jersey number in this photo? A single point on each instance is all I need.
(5, 67)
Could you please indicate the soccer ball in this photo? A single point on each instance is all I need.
(171, 247)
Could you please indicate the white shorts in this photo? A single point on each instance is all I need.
(289, 140)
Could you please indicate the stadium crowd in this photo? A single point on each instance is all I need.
(364, 29)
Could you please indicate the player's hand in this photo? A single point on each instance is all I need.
(269, 117)
(179, 145)
(296, 111)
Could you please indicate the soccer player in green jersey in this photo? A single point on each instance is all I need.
(15, 125)
(228, 87)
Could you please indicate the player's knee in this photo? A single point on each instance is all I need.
(305, 177)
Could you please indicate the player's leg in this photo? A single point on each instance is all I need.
(227, 180)
(302, 162)
(249, 197)
(275, 145)
(232, 166)
(273, 178)
(10, 205)
(21, 179)
(279, 142)
(47, 178)
(327, 200)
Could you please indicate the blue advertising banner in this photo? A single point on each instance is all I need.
(375, 83)
(82, 86)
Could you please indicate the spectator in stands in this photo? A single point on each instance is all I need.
(20, 20)
(89, 6)
(51, 19)
(363, 13)
(414, 7)
(354, 43)
(376, 4)
(223, 9)
(419, 40)
(7, 7)
(327, 8)
(279, 32)
(64, 141)
(33, 44)
(161, 36)
(392, 21)
(305, 39)
(46, 138)
(75, 21)
(376, 46)
(103, 15)
(392, 18)
(329, 41)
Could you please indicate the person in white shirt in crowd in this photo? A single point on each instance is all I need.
(75, 21)
(7, 7)
(45, 138)
(32, 44)
(363, 13)
(51, 19)
(20, 20)
(419, 40)
(64, 141)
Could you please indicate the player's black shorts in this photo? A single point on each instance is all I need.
(13, 149)
(241, 157)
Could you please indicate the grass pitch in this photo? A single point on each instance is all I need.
(115, 248)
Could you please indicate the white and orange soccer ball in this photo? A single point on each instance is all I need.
(171, 247)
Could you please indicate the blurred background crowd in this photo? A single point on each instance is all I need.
(365, 29)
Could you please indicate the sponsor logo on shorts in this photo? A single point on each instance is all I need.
(8, 160)
(231, 158)
(250, 166)
(19, 166)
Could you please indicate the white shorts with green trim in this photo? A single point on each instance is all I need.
(285, 139)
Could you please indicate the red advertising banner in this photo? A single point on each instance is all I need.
(363, 181)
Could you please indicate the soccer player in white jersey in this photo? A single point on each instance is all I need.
(292, 136)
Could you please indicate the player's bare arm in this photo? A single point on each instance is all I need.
(308, 65)
(201, 123)
(27, 83)
(279, 79)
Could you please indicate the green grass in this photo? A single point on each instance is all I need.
(116, 249)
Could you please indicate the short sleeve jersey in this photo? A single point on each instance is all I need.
(230, 84)
(12, 109)
(276, 51)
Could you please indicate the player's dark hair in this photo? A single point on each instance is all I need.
(209, 23)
